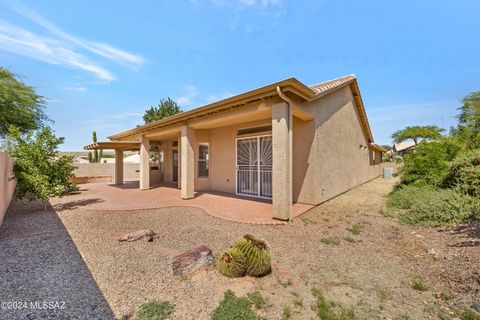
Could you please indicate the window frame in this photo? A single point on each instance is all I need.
(206, 161)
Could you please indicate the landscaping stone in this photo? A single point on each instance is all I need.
(145, 235)
(193, 260)
(432, 252)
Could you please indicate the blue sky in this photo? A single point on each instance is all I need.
(102, 63)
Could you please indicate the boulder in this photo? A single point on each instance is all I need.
(193, 260)
(145, 235)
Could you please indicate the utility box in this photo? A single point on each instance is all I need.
(387, 173)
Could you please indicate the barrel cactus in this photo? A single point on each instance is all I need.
(257, 255)
(232, 263)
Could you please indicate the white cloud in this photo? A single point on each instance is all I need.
(187, 100)
(61, 48)
(26, 43)
(101, 49)
(193, 98)
(217, 97)
(76, 88)
(245, 3)
(242, 14)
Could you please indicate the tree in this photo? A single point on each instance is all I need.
(41, 172)
(20, 106)
(468, 129)
(97, 155)
(417, 134)
(166, 108)
(470, 111)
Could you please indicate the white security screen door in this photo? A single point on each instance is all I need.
(254, 166)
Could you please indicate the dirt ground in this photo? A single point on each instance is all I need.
(372, 275)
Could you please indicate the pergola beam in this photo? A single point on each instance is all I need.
(116, 145)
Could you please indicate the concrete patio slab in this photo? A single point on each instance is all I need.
(102, 196)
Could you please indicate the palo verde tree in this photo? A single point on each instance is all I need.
(165, 108)
(20, 105)
(417, 134)
(41, 172)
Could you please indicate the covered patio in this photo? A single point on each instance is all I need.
(240, 146)
(111, 197)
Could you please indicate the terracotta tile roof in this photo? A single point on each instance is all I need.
(326, 86)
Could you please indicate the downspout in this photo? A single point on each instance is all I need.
(285, 98)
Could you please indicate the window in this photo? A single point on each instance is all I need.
(203, 160)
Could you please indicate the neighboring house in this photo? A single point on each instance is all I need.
(403, 147)
(286, 141)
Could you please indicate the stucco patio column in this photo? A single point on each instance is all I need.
(282, 161)
(118, 179)
(187, 163)
(145, 163)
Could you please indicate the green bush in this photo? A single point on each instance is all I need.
(235, 308)
(428, 205)
(464, 174)
(429, 162)
(40, 170)
(155, 310)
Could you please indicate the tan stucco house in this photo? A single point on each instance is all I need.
(286, 141)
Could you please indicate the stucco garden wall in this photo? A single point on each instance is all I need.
(130, 170)
(7, 185)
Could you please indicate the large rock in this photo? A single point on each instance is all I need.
(145, 235)
(193, 260)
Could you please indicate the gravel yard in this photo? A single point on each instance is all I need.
(369, 268)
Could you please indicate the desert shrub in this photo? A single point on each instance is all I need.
(419, 285)
(155, 310)
(330, 310)
(356, 229)
(470, 315)
(235, 308)
(330, 241)
(41, 171)
(429, 162)
(258, 300)
(464, 174)
(428, 205)
(286, 313)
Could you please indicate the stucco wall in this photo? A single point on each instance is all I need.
(330, 152)
(130, 170)
(223, 157)
(7, 185)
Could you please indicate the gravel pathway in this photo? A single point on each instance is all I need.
(43, 276)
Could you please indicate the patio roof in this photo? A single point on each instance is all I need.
(291, 86)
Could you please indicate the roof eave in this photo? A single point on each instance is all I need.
(288, 85)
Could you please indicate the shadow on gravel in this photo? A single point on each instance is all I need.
(470, 232)
(75, 204)
(43, 276)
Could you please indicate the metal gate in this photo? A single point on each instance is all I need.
(254, 166)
